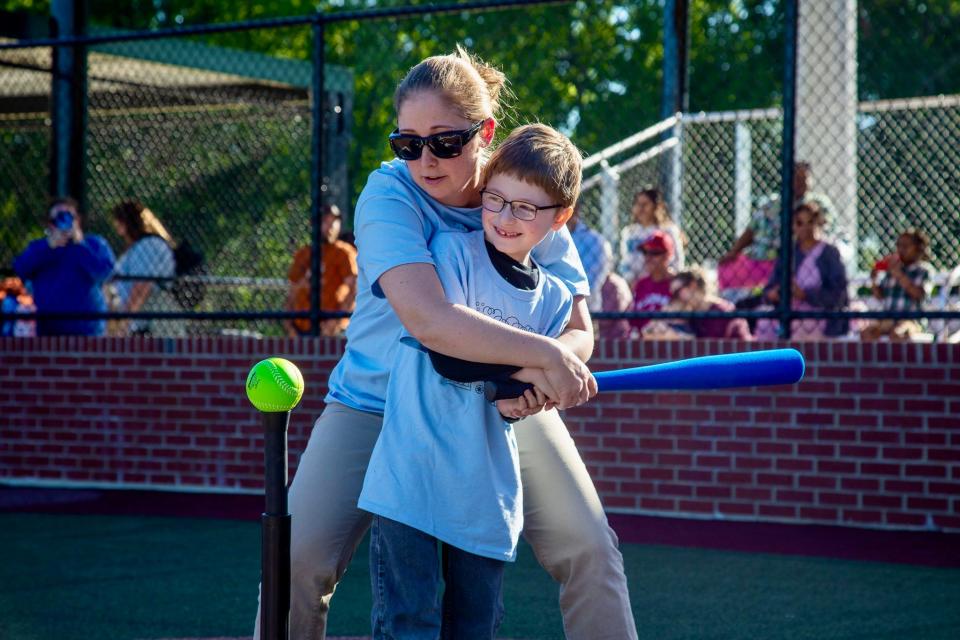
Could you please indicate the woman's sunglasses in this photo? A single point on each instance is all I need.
(444, 145)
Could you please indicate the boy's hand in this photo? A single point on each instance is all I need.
(532, 401)
(537, 377)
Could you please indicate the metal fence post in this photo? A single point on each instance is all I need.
(317, 187)
(786, 167)
(69, 102)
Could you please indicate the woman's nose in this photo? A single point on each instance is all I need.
(427, 158)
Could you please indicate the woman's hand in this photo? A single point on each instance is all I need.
(570, 378)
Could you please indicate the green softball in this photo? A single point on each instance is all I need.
(274, 385)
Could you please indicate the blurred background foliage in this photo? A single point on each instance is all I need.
(591, 67)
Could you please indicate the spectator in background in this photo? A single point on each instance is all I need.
(904, 286)
(652, 290)
(689, 292)
(338, 278)
(14, 298)
(608, 290)
(147, 257)
(596, 254)
(67, 269)
(615, 296)
(649, 214)
(750, 262)
(819, 283)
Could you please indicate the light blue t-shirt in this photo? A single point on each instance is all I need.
(446, 462)
(394, 223)
(149, 257)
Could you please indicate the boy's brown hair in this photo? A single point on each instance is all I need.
(542, 156)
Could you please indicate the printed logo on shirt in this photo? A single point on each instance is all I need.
(497, 314)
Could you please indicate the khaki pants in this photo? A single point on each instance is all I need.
(564, 522)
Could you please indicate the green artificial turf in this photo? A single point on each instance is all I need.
(95, 577)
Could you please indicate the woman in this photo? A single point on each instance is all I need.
(819, 282)
(66, 270)
(649, 214)
(446, 107)
(149, 255)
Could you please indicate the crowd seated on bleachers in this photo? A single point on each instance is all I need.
(649, 249)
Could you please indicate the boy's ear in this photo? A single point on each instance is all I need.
(561, 218)
(487, 130)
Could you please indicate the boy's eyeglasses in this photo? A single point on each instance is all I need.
(518, 208)
(444, 145)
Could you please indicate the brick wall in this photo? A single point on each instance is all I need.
(871, 437)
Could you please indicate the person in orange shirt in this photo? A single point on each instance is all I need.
(338, 279)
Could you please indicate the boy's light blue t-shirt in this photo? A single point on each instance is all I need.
(446, 463)
(393, 225)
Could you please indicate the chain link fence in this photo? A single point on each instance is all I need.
(867, 174)
(216, 141)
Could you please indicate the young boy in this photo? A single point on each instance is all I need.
(904, 287)
(445, 467)
(652, 289)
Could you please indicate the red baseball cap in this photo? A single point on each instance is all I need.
(658, 242)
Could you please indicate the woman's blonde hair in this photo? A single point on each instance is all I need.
(473, 87)
(140, 221)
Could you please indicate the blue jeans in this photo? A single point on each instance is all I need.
(406, 573)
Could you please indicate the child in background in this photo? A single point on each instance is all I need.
(434, 475)
(652, 291)
(689, 292)
(904, 286)
(14, 298)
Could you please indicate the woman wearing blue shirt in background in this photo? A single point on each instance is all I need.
(66, 271)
